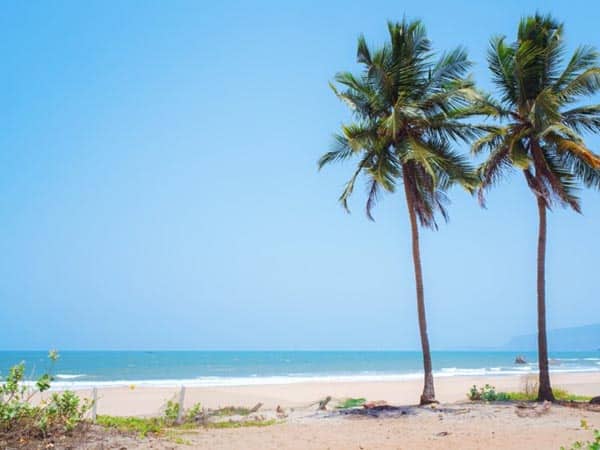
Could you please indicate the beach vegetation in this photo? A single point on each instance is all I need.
(351, 403)
(542, 109)
(488, 393)
(192, 414)
(175, 437)
(587, 445)
(242, 423)
(143, 426)
(231, 411)
(408, 109)
(22, 419)
(171, 412)
(139, 425)
(192, 418)
(559, 394)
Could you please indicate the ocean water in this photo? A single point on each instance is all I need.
(82, 369)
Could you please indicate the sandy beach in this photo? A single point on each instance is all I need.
(300, 225)
(454, 424)
(147, 401)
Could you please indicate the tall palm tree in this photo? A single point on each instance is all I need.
(407, 110)
(540, 103)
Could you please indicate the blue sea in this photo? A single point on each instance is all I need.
(82, 369)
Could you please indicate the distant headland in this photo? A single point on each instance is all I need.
(583, 338)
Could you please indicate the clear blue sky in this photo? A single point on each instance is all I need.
(158, 186)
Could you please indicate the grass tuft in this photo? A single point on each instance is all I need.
(230, 411)
(241, 424)
(139, 425)
(157, 425)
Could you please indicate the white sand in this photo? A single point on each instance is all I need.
(145, 401)
(463, 425)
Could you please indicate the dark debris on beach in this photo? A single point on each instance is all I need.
(377, 411)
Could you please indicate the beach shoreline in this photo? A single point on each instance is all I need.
(297, 424)
(135, 400)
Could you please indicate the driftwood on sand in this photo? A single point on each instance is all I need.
(323, 403)
(255, 408)
(532, 409)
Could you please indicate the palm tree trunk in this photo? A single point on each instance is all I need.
(545, 390)
(428, 395)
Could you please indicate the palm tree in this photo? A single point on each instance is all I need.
(407, 110)
(540, 101)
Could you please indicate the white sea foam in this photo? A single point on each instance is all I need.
(526, 368)
(454, 371)
(308, 378)
(66, 376)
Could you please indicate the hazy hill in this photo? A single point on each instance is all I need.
(583, 338)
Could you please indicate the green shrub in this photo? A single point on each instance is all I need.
(139, 425)
(486, 393)
(351, 403)
(192, 414)
(563, 394)
(188, 416)
(588, 445)
(21, 419)
(171, 412)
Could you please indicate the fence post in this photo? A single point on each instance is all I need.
(94, 403)
(181, 398)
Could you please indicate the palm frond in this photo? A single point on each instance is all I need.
(586, 174)
(451, 66)
(586, 83)
(489, 141)
(561, 181)
(363, 54)
(341, 151)
(545, 109)
(372, 197)
(584, 118)
(349, 187)
(492, 170)
(583, 58)
(579, 150)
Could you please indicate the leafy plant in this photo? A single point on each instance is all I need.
(587, 445)
(171, 412)
(192, 414)
(351, 403)
(20, 419)
(487, 393)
